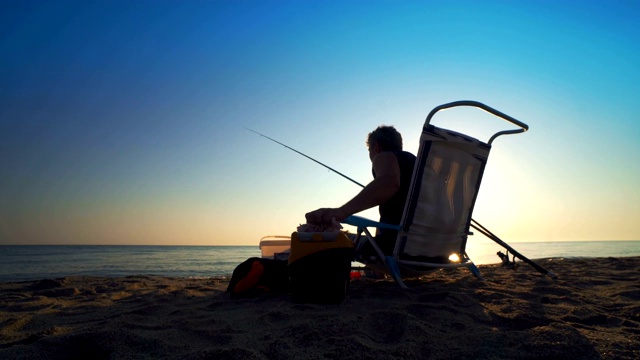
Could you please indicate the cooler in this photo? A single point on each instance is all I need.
(275, 247)
(319, 267)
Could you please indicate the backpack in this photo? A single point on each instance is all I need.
(256, 276)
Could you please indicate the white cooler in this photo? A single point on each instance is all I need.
(275, 247)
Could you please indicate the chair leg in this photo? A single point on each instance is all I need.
(395, 271)
(475, 271)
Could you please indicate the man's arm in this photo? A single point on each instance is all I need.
(377, 192)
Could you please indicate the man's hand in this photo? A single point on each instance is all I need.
(323, 216)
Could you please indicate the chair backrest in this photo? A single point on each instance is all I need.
(443, 191)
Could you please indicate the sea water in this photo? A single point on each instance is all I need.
(51, 261)
(32, 262)
(486, 252)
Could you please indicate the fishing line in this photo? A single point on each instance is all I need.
(308, 157)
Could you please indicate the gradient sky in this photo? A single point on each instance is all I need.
(122, 122)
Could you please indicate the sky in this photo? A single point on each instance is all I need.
(124, 122)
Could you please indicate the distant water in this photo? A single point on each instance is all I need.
(485, 252)
(18, 263)
(37, 262)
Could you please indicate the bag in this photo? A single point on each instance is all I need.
(256, 276)
(320, 266)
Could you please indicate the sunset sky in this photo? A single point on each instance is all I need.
(123, 122)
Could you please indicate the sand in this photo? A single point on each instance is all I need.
(591, 312)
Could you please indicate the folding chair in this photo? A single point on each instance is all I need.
(437, 214)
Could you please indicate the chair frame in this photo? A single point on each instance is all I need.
(397, 267)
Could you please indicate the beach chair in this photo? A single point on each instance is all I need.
(437, 215)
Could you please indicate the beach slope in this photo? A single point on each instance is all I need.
(591, 312)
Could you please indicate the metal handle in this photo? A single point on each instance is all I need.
(523, 127)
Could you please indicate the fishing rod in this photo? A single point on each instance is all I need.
(484, 231)
(308, 157)
(474, 224)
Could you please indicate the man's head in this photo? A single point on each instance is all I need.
(386, 138)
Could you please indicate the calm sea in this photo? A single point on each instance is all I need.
(34, 262)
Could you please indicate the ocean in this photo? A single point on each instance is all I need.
(33, 262)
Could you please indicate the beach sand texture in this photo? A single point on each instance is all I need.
(591, 312)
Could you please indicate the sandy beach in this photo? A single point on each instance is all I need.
(591, 312)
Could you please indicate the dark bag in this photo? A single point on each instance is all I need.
(257, 276)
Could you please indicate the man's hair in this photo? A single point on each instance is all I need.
(387, 137)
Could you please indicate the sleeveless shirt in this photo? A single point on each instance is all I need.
(391, 211)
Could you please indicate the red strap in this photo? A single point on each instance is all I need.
(252, 278)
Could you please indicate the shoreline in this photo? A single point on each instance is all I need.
(591, 312)
(26, 263)
(227, 276)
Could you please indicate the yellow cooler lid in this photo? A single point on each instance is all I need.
(305, 243)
